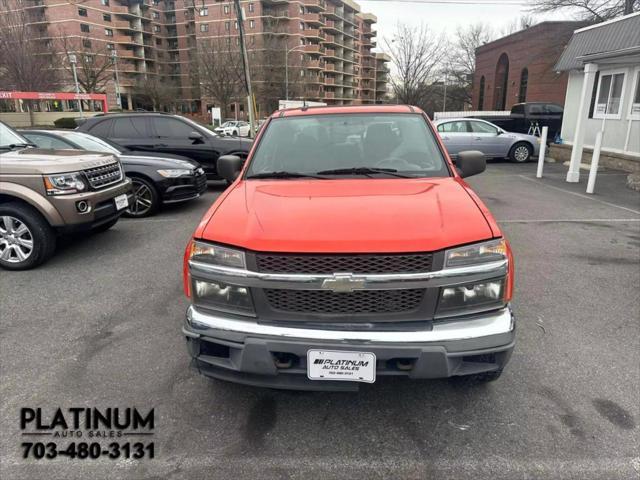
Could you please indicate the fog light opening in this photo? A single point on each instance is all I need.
(82, 206)
(284, 360)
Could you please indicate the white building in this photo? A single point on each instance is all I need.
(603, 91)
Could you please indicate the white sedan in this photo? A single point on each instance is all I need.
(233, 128)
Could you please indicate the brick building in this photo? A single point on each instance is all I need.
(327, 43)
(520, 67)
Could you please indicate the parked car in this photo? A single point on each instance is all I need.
(46, 192)
(460, 134)
(156, 180)
(525, 116)
(234, 128)
(164, 133)
(348, 247)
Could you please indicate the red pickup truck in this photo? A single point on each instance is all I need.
(348, 247)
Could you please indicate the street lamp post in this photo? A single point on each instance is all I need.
(114, 57)
(73, 59)
(286, 69)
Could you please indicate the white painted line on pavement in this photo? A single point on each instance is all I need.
(581, 195)
(573, 220)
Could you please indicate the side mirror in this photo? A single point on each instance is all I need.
(229, 167)
(471, 162)
(195, 136)
(499, 132)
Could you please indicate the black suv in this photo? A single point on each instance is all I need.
(164, 133)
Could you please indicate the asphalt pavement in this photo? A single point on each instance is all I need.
(99, 326)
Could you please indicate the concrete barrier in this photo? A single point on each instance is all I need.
(39, 118)
(614, 160)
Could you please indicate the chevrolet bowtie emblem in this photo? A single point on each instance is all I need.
(343, 282)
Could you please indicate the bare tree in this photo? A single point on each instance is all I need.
(593, 10)
(158, 91)
(26, 60)
(462, 62)
(521, 23)
(417, 54)
(94, 66)
(220, 70)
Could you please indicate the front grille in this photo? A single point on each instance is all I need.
(101, 177)
(359, 263)
(201, 181)
(357, 302)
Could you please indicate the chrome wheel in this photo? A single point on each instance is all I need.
(142, 199)
(521, 153)
(16, 240)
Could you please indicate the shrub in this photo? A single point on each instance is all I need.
(65, 122)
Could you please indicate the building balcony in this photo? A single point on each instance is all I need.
(367, 74)
(330, 67)
(315, 5)
(369, 33)
(329, 52)
(334, 12)
(315, 65)
(329, 95)
(313, 49)
(329, 80)
(312, 18)
(313, 33)
(331, 25)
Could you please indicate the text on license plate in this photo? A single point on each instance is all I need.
(339, 365)
(121, 201)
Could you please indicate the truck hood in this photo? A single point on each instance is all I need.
(347, 215)
(30, 161)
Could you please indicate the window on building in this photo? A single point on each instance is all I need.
(252, 39)
(156, 28)
(204, 11)
(481, 94)
(237, 41)
(501, 83)
(609, 95)
(108, 32)
(227, 26)
(634, 110)
(104, 2)
(225, 9)
(158, 41)
(301, 10)
(235, 25)
(524, 80)
(86, 43)
(82, 12)
(106, 17)
(84, 28)
(251, 7)
(301, 25)
(252, 24)
(228, 39)
(155, 15)
(111, 46)
(204, 27)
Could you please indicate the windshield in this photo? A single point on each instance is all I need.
(401, 143)
(87, 142)
(10, 137)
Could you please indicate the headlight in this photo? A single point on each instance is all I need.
(175, 172)
(65, 183)
(221, 296)
(492, 251)
(217, 255)
(484, 295)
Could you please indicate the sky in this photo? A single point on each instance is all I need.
(447, 17)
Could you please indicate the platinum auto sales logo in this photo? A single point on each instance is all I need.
(87, 433)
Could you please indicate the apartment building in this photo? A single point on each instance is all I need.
(154, 44)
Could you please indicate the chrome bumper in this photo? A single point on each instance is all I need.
(477, 326)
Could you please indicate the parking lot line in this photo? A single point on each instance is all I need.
(582, 195)
(572, 220)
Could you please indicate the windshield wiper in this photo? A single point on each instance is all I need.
(363, 171)
(285, 174)
(11, 146)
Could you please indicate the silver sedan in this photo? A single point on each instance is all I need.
(460, 134)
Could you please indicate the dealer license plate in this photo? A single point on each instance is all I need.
(121, 201)
(339, 365)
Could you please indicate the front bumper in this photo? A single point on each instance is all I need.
(244, 351)
(102, 208)
(182, 189)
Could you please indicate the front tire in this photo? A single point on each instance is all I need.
(521, 152)
(146, 200)
(26, 239)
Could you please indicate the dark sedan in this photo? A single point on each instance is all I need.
(164, 133)
(156, 180)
